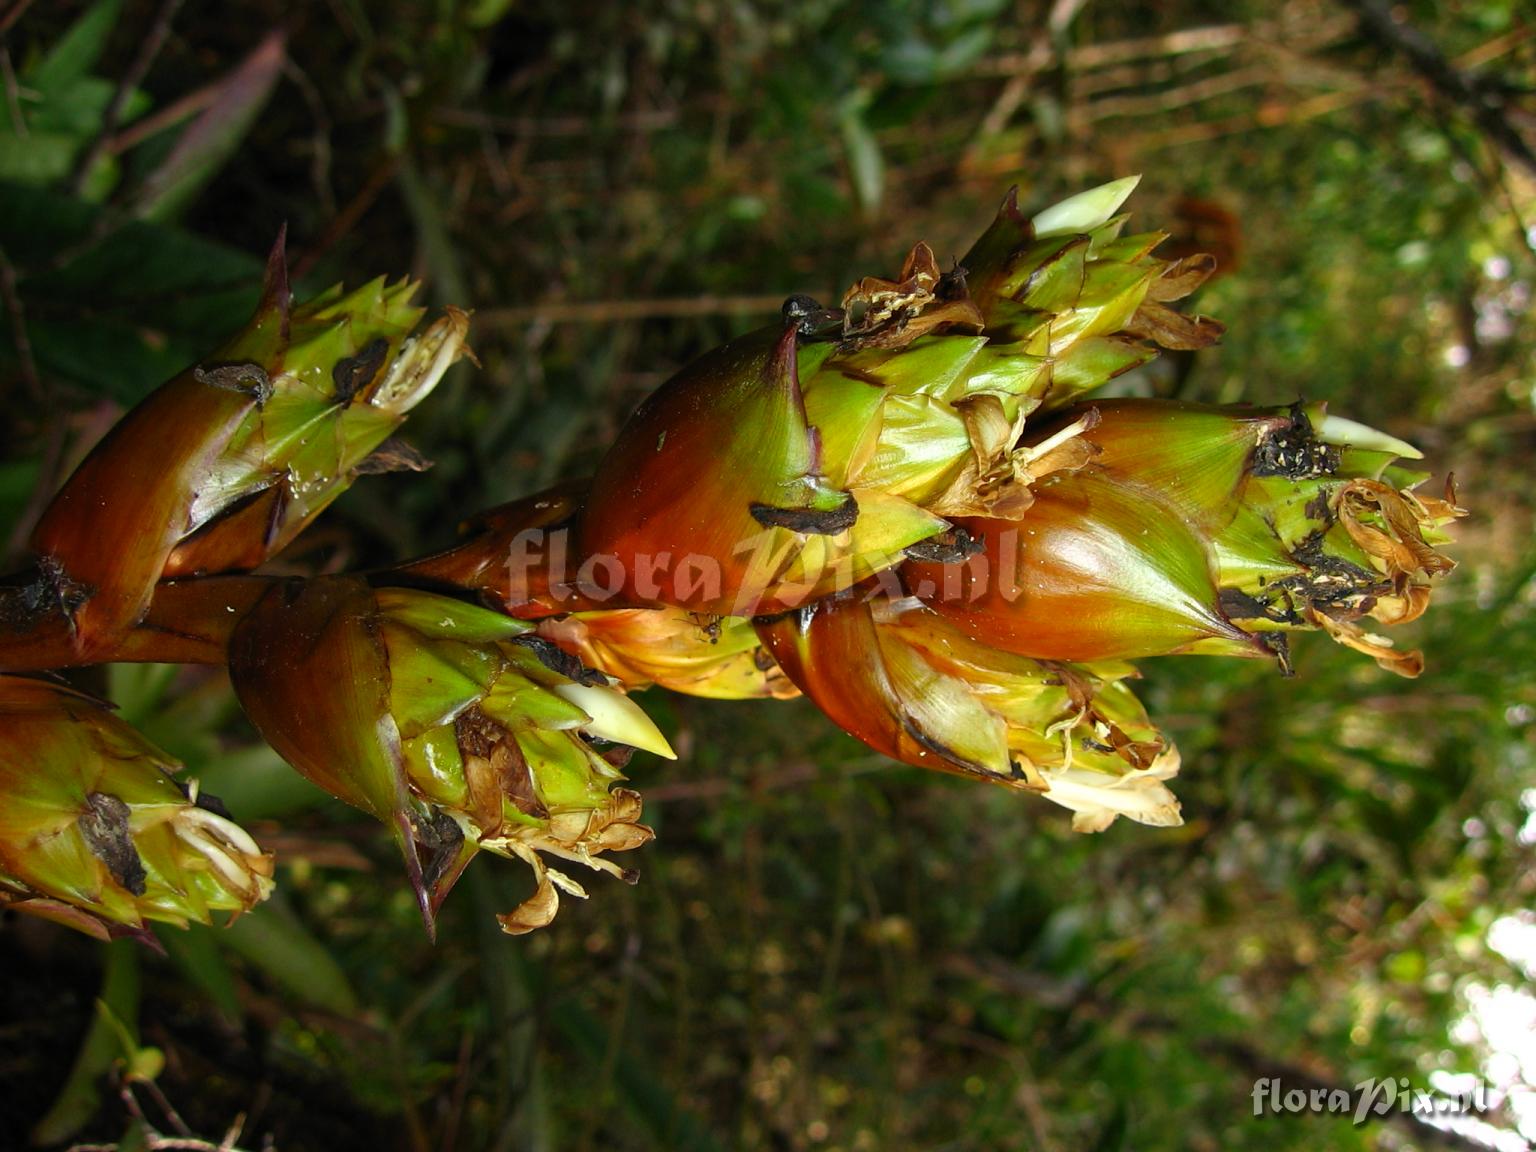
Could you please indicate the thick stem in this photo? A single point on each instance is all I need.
(188, 622)
(518, 557)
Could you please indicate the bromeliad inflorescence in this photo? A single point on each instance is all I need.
(906, 508)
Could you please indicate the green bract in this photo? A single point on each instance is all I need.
(450, 723)
(97, 833)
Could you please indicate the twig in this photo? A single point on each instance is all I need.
(1120, 51)
(1171, 99)
(347, 219)
(1022, 72)
(1298, 61)
(1142, 76)
(13, 14)
(496, 167)
(182, 108)
(611, 311)
(156, 1141)
(1317, 106)
(12, 94)
(172, 1116)
(1020, 83)
(555, 127)
(1040, 54)
(149, 48)
(320, 166)
(1123, 64)
(1482, 100)
(1493, 49)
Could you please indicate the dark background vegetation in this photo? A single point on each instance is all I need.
(825, 952)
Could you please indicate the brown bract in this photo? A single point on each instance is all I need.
(892, 313)
(1390, 526)
(111, 528)
(517, 556)
(1163, 326)
(712, 493)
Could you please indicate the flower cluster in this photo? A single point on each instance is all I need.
(907, 508)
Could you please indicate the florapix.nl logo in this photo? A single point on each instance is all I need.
(1368, 1100)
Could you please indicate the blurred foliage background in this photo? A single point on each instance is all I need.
(825, 952)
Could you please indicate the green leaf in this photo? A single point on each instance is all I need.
(77, 109)
(196, 952)
(78, 1099)
(210, 140)
(964, 50)
(158, 297)
(41, 158)
(114, 361)
(275, 942)
(866, 164)
(484, 13)
(255, 784)
(668, 1122)
(139, 689)
(158, 276)
(140, 1062)
(78, 50)
(911, 60)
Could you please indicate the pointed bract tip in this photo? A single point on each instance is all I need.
(785, 360)
(614, 716)
(1087, 210)
(1352, 434)
(1010, 207)
(276, 294)
(405, 836)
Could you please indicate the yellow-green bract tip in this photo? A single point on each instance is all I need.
(1087, 210)
(1351, 434)
(616, 717)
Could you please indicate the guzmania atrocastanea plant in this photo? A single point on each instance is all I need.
(907, 508)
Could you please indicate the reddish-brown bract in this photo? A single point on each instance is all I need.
(1095, 571)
